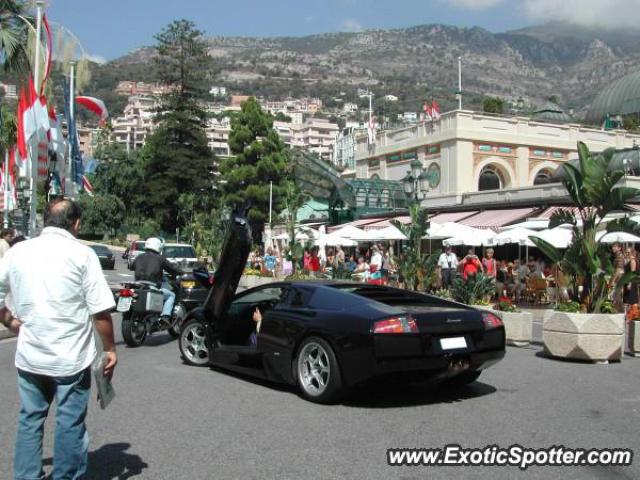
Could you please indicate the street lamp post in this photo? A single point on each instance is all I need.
(416, 182)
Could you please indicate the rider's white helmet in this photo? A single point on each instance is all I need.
(153, 243)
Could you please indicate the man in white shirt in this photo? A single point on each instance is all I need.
(56, 285)
(6, 235)
(376, 258)
(448, 264)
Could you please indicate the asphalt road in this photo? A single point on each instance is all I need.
(171, 421)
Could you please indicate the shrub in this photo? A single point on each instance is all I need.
(505, 305)
(473, 290)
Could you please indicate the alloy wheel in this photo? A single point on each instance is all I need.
(194, 344)
(314, 370)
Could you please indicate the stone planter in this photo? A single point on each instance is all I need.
(518, 327)
(595, 337)
(250, 281)
(634, 338)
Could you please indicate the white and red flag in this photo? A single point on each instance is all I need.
(435, 110)
(96, 105)
(428, 114)
(32, 117)
(56, 140)
(86, 186)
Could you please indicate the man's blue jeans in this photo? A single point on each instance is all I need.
(169, 299)
(71, 446)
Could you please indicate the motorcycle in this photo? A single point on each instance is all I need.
(141, 305)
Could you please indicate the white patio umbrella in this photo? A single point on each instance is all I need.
(302, 233)
(351, 232)
(515, 235)
(387, 233)
(452, 229)
(617, 237)
(333, 241)
(475, 238)
(531, 224)
(558, 237)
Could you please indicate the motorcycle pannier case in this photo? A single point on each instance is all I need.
(149, 301)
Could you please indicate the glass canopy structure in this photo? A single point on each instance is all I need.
(347, 199)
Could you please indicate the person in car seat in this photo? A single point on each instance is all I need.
(257, 318)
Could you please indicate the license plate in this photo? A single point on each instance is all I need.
(453, 343)
(124, 304)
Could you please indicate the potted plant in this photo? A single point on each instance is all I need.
(518, 325)
(253, 277)
(596, 331)
(418, 269)
(633, 318)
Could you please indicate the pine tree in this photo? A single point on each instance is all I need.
(178, 159)
(259, 157)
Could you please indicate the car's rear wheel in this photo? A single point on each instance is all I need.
(317, 371)
(193, 343)
(134, 330)
(464, 378)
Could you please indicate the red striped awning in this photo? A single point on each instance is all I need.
(497, 218)
(404, 219)
(551, 210)
(451, 217)
(356, 223)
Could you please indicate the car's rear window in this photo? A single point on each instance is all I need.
(100, 249)
(182, 251)
(138, 245)
(387, 296)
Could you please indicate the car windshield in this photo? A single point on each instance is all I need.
(100, 249)
(179, 251)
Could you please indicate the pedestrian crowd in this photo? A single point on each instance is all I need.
(372, 263)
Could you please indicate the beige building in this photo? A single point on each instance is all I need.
(133, 127)
(315, 135)
(475, 159)
(217, 132)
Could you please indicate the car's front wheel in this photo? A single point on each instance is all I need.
(317, 371)
(193, 343)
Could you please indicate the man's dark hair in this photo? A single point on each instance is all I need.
(62, 213)
(6, 231)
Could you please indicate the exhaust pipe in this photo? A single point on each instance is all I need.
(458, 365)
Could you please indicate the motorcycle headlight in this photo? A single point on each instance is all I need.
(187, 283)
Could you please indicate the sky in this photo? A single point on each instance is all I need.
(109, 29)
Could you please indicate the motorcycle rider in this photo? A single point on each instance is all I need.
(149, 267)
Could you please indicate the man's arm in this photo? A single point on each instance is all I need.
(104, 327)
(9, 321)
(169, 267)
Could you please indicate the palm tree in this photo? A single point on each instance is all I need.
(418, 269)
(15, 25)
(594, 191)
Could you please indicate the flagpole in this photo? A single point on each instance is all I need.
(5, 217)
(33, 223)
(459, 83)
(70, 182)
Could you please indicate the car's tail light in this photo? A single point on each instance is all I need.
(491, 321)
(403, 324)
(126, 292)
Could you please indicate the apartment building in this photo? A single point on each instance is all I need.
(315, 135)
(132, 128)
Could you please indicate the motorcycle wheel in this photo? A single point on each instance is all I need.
(179, 312)
(193, 345)
(134, 330)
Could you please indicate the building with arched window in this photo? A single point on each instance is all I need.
(476, 159)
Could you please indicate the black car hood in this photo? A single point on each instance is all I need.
(233, 258)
